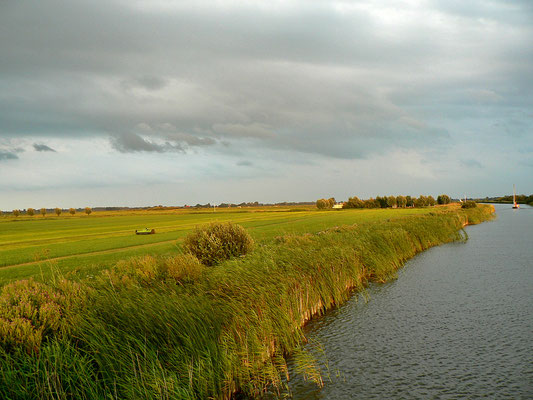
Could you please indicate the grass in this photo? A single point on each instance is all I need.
(87, 244)
(163, 327)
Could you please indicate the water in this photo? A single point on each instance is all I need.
(457, 323)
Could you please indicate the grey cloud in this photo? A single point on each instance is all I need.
(147, 82)
(42, 147)
(130, 143)
(471, 163)
(254, 130)
(6, 155)
(298, 78)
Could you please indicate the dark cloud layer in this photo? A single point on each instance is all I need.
(439, 82)
(5, 155)
(42, 147)
(338, 78)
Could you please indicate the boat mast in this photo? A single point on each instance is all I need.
(514, 195)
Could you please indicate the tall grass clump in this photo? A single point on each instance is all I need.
(31, 311)
(217, 242)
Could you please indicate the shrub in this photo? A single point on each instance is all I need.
(30, 311)
(30, 212)
(58, 211)
(88, 210)
(322, 204)
(72, 211)
(217, 242)
(43, 211)
(469, 204)
(16, 213)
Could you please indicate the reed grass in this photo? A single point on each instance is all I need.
(142, 334)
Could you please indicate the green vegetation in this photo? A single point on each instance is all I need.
(520, 199)
(393, 202)
(322, 204)
(218, 242)
(157, 327)
(444, 199)
(469, 204)
(80, 246)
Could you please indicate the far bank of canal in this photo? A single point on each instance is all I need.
(457, 323)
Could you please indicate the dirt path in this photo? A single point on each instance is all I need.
(110, 251)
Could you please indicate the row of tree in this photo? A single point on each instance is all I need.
(386, 202)
(43, 211)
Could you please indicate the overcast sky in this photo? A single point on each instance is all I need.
(123, 102)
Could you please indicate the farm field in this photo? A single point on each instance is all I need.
(81, 245)
(34, 246)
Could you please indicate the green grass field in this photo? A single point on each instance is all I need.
(81, 245)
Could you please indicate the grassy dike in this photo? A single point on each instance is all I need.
(168, 327)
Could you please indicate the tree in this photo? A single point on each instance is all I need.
(331, 202)
(391, 201)
(30, 212)
(401, 201)
(58, 211)
(371, 203)
(16, 213)
(1, 213)
(382, 201)
(72, 211)
(353, 202)
(421, 201)
(431, 201)
(409, 202)
(88, 210)
(43, 211)
(322, 204)
(444, 199)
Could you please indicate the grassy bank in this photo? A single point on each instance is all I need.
(168, 327)
(88, 244)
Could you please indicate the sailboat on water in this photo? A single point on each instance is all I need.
(515, 204)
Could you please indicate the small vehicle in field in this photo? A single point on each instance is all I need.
(145, 231)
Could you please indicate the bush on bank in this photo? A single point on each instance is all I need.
(144, 334)
(217, 242)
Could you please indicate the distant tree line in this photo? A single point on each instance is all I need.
(520, 198)
(43, 211)
(386, 202)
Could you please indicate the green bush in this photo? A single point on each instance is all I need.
(217, 242)
(30, 311)
(469, 204)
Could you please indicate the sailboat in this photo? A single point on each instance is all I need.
(515, 204)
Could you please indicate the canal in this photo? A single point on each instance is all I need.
(457, 323)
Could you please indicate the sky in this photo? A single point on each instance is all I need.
(140, 103)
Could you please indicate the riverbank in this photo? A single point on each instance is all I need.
(196, 332)
(436, 331)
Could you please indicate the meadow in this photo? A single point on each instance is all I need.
(81, 245)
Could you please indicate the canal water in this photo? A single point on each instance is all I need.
(457, 323)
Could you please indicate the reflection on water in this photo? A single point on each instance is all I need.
(458, 323)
